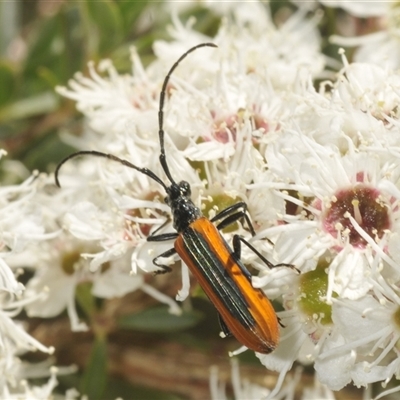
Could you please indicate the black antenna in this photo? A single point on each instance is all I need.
(163, 160)
(145, 171)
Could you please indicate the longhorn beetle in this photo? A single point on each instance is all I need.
(244, 312)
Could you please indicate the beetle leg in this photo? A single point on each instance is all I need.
(164, 268)
(225, 332)
(237, 250)
(228, 210)
(231, 219)
(165, 223)
(232, 214)
(280, 323)
(163, 237)
(228, 218)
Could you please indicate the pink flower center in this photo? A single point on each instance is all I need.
(365, 205)
(225, 129)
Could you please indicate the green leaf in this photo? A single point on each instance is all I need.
(42, 103)
(158, 319)
(7, 82)
(130, 12)
(84, 296)
(106, 19)
(44, 152)
(94, 378)
(56, 43)
(46, 48)
(47, 75)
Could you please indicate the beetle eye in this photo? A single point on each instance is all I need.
(185, 188)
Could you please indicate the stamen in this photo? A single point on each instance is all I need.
(356, 209)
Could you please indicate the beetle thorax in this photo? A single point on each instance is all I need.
(184, 212)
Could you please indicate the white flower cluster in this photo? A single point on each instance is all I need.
(21, 226)
(318, 168)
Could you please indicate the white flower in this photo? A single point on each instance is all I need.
(261, 48)
(65, 266)
(23, 390)
(20, 216)
(22, 224)
(14, 341)
(371, 89)
(334, 185)
(363, 348)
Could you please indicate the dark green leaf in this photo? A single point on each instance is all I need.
(158, 319)
(94, 378)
